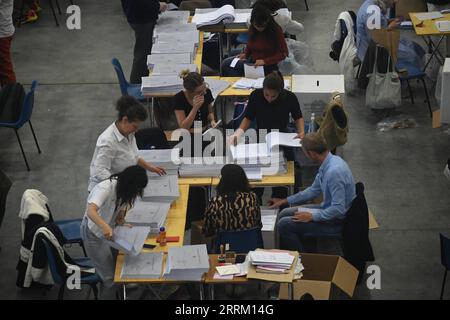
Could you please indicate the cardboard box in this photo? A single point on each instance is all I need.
(404, 7)
(314, 92)
(323, 277)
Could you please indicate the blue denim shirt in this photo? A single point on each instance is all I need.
(335, 181)
(362, 32)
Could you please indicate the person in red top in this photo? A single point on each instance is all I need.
(266, 45)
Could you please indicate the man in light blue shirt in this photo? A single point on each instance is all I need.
(335, 181)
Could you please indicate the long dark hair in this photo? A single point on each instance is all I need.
(272, 5)
(233, 180)
(261, 16)
(130, 184)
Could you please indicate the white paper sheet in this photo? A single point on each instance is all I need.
(252, 72)
(429, 15)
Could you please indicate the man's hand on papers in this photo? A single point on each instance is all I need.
(276, 203)
(158, 170)
(302, 216)
(162, 6)
(259, 63)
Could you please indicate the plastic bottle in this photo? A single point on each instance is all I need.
(312, 124)
(162, 236)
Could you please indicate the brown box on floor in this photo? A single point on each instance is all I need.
(323, 277)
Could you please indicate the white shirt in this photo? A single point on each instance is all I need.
(113, 153)
(103, 195)
(6, 22)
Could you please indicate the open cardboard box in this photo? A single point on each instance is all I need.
(323, 277)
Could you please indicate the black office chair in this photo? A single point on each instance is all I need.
(445, 259)
(5, 186)
(151, 138)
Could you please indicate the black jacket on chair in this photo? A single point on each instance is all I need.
(355, 234)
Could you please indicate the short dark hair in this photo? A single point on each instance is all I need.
(130, 184)
(233, 179)
(191, 80)
(274, 81)
(129, 107)
(314, 142)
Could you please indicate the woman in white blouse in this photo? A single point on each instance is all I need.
(116, 147)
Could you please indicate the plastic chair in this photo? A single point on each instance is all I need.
(126, 88)
(24, 117)
(151, 138)
(70, 229)
(56, 264)
(241, 241)
(445, 259)
(413, 72)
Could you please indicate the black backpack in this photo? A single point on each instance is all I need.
(11, 101)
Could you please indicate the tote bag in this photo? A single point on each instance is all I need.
(384, 89)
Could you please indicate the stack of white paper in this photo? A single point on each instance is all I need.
(167, 59)
(248, 83)
(161, 84)
(216, 86)
(145, 265)
(201, 167)
(173, 17)
(168, 159)
(162, 188)
(176, 28)
(253, 174)
(129, 240)
(224, 14)
(271, 261)
(443, 26)
(173, 69)
(187, 263)
(422, 16)
(161, 47)
(148, 213)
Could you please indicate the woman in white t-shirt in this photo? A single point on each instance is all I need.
(107, 206)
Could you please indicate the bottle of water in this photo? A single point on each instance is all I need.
(312, 124)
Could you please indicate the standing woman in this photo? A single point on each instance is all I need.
(107, 206)
(116, 147)
(194, 103)
(266, 45)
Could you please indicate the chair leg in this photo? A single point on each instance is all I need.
(443, 285)
(21, 148)
(58, 6)
(34, 136)
(61, 291)
(427, 96)
(306, 4)
(410, 91)
(54, 13)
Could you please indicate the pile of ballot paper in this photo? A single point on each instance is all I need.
(129, 240)
(271, 261)
(149, 214)
(161, 84)
(201, 166)
(161, 188)
(168, 159)
(143, 266)
(224, 14)
(187, 263)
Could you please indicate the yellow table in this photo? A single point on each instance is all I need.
(195, 182)
(427, 29)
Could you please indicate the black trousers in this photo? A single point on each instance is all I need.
(142, 48)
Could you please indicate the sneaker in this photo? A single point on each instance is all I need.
(30, 16)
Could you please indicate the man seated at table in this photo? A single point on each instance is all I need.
(335, 181)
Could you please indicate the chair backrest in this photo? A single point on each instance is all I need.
(119, 71)
(53, 262)
(5, 186)
(151, 138)
(445, 251)
(28, 104)
(404, 7)
(241, 241)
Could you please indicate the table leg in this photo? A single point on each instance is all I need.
(211, 291)
(229, 44)
(220, 52)
(202, 294)
(291, 291)
(124, 292)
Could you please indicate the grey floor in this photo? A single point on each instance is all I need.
(402, 169)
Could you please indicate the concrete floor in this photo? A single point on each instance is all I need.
(402, 169)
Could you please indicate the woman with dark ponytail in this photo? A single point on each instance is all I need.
(107, 205)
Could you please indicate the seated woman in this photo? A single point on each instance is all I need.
(116, 147)
(266, 45)
(234, 207)
(107, 205)
(285, 22)
(194, 103)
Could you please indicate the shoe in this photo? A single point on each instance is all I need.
(35, 7)
(30, 16)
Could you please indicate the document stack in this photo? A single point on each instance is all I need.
(180, 46)
(129, 240)
(143, 266)
(168, 159)
(187, 263)
(148, 214)
(173, 69)
(161, 188)
(161, 84)
(271, 261)
(201, 167)
(222, 15)
(173, 17)
(168, 59)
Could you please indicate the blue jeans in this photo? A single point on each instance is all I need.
(292, 233)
